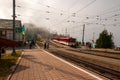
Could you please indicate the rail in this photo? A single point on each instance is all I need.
(90, 53)
(100, 69)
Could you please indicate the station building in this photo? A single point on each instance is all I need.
(6, 29)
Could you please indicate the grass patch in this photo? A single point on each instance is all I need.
(6, 62)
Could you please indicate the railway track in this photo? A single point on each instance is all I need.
(90, 52)
(108, 55)
(103, 71)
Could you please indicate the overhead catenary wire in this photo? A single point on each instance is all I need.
(88, 19)
(76, 12)
(104, 13)
(45, 5)
(74, 3)
(86, 6)
(49, 7)
(110, 17)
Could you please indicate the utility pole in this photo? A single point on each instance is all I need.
(66, 32)
(93, 37)
(14, 52)
(93, 42)
(83, 34)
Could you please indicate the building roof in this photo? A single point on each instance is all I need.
(8, 24)
(7, 42)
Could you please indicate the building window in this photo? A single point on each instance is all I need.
(2, 33)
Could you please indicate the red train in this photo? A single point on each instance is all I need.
(66, 41)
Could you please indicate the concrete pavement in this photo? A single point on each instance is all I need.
(37, 64)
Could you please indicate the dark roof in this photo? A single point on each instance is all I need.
(6, 42)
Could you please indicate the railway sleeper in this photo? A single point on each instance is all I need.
(101, 69)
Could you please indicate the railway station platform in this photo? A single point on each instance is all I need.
(37, 64)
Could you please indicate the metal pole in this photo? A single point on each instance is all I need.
(66, 32)
(83, 34)
(14, 25)
(93, 37)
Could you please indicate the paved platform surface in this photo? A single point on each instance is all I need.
(36, 64)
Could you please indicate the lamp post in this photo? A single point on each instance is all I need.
(13, 26)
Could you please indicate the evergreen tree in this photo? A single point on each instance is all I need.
(105, 40)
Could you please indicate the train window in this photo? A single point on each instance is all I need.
(72, 40)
